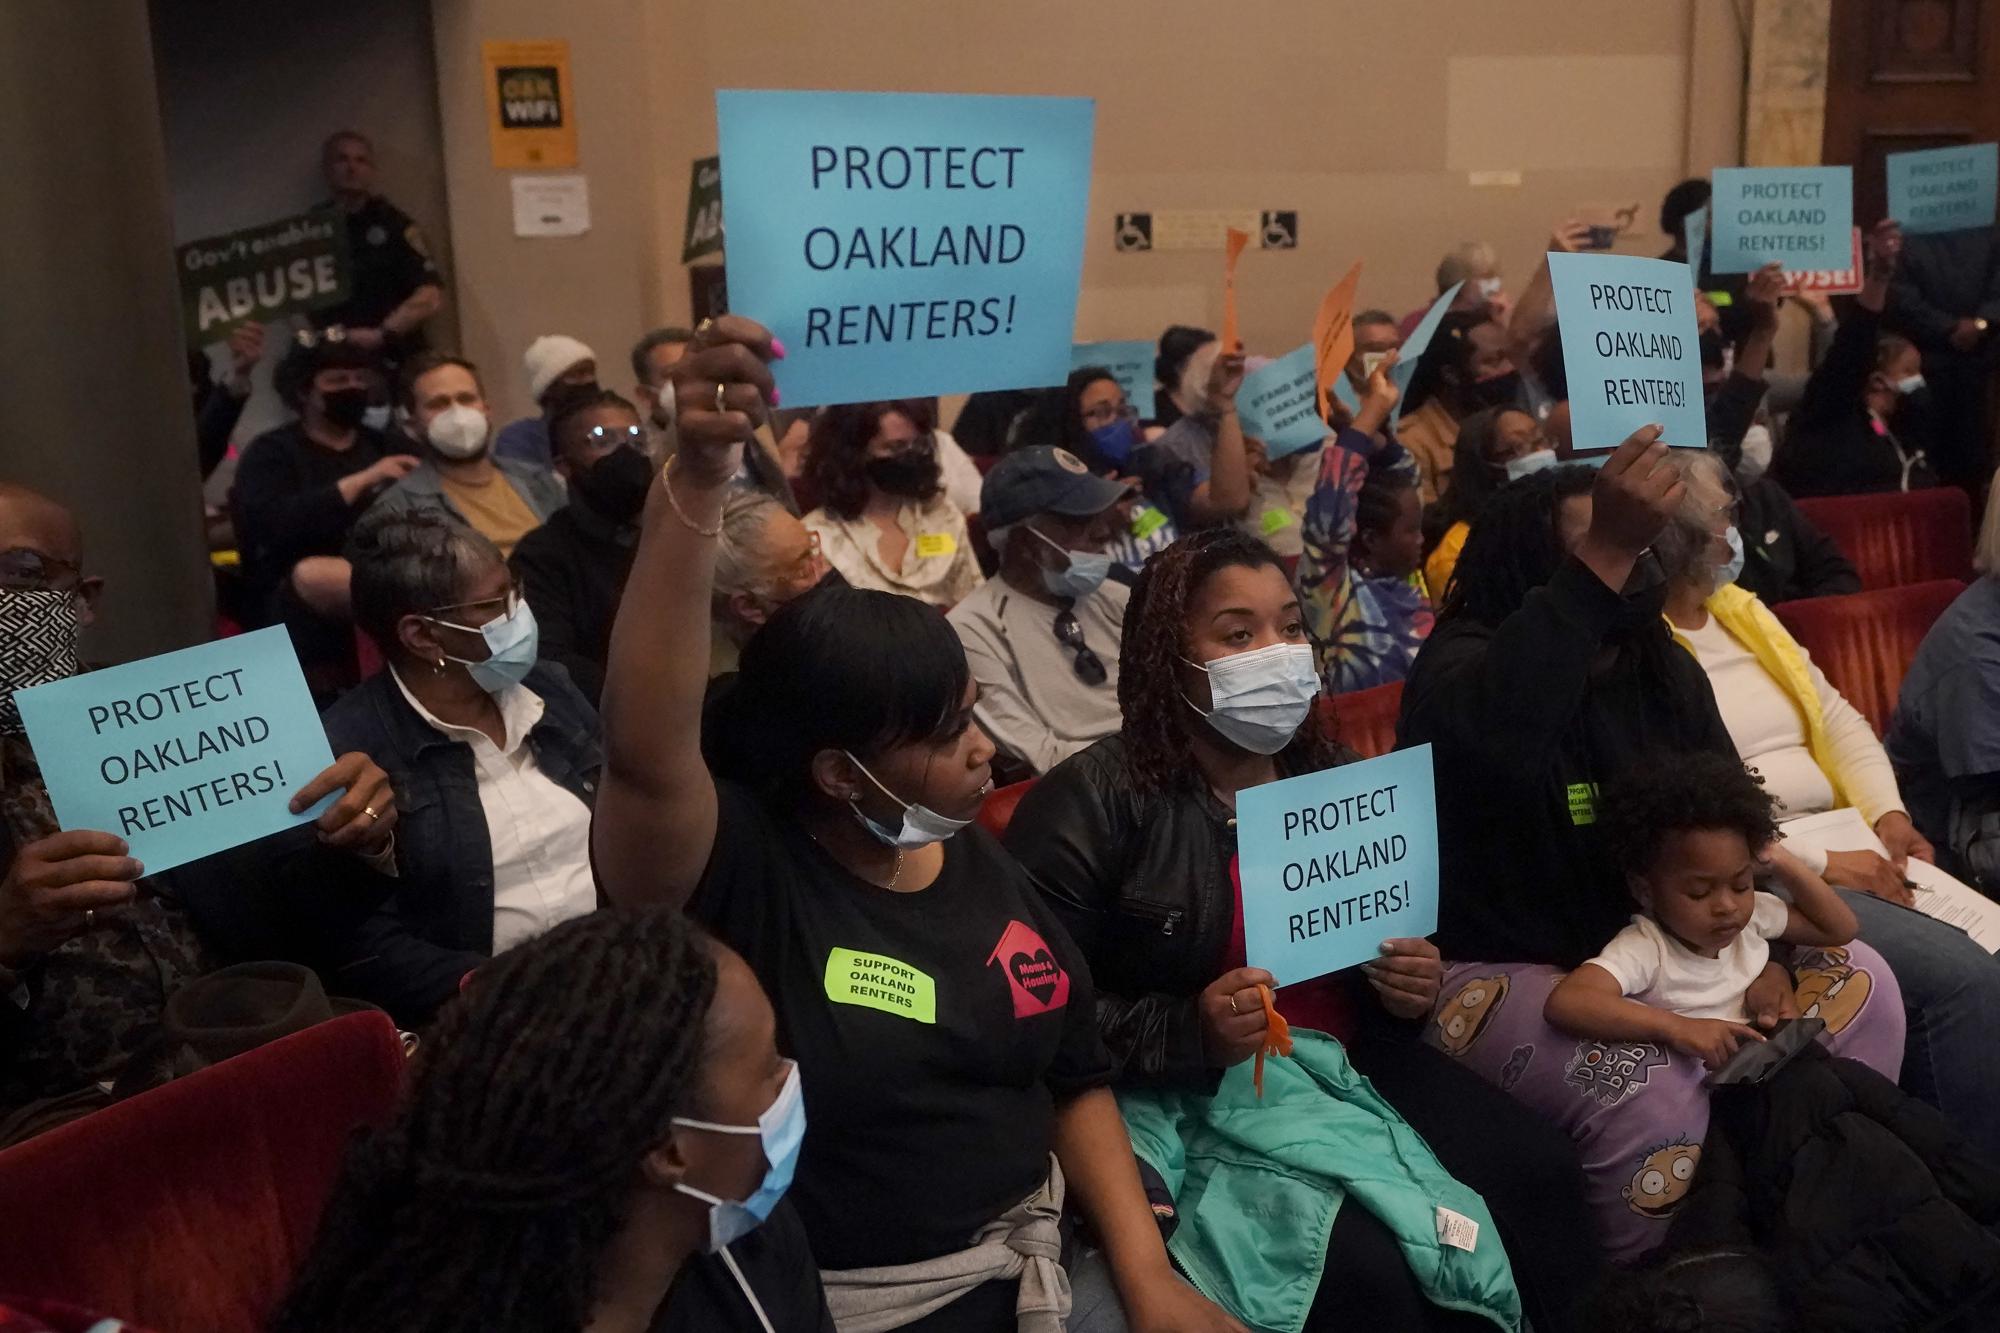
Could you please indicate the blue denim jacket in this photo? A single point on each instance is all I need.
(438, 925)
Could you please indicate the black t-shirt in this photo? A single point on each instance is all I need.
(387, 259)
(935, 1031)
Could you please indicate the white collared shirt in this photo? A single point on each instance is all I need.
(539, 831)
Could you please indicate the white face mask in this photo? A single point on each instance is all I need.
(1522, 465)
(459, 432)
(1260, 698)
(1756, 459)
(1371, 362)
(1489, 287)
(922, 825)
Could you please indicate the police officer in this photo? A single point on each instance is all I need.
(395, 285)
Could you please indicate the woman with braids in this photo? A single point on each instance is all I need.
(592, 1135)
(1366, 608)
(1549, 673)
(1133, 842)
(1495, 445)
(941, 1017)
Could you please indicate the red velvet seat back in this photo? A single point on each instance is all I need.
(1865, 640)
(1365, 720)
(1899, 538)
(997, 810)
(187, 1209)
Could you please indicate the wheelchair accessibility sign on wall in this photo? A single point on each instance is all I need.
(1279, 230)
(1134, 232)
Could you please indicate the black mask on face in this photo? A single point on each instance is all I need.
(912, 472)
(344, 407)
(1494, 391)
(616, 484)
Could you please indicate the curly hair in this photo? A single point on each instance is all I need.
(1515, 546)
(1667, 793)
(491, 1198)
(837, 450)
(1713, 1291)
(1158, 757)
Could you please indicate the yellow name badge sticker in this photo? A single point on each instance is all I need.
(1583, 803)
(875, 982)
(1147, 522)
(936, 543)
(1275, 521)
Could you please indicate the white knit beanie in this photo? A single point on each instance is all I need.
(549, 356)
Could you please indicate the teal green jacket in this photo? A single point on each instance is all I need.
(1257, 1185)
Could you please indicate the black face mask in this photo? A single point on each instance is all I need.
(1495, 391)
(616, 484)
(908, 472)
(344, 407)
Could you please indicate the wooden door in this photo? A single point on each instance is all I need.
(1907, 74)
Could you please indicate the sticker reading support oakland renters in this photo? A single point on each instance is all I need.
(906, 244)
(876, 981)
(1335, 862)
(1629, 345)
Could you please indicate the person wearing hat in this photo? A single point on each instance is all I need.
(1042, 635)
(555, 362)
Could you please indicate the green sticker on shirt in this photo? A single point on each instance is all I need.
(1147, 521)
(1275, 521)
(1583, 803)
(874, 981)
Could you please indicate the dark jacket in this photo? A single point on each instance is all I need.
(1142, 885)
(1527, 723)
(1878, 1214)
(1784, 556)
(438, 925)
(1831, 446)
(572, 571)
(1942, 279)
(778, 1265)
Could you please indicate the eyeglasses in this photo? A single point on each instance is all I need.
(1089, 667)
(26, 570)
(1105, 414)
(509, 601)
(610, 437)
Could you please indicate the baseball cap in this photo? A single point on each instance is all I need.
(1044, 480)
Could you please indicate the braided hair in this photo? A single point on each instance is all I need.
(491, 1198)
(1158, 757)
(1472, 476)
(1515, 547)
(1378, 504)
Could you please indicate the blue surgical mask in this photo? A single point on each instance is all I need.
(1730, 572)
(1524, 464)
(1116, 439)
(1910, 384)
(1084, 574)
(511, 644)
(922, 825)
(782, 1128)
(1260, 698)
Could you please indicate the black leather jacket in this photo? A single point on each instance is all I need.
(1142, 885)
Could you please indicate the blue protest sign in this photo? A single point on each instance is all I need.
(1413, 347)
(183, 754)
(906, 244)
(1799, 216)
(1343, 390)
(1629, 348)
(1130, 363)
(1337, 861)
(1279, 403)
(1696, 227)
(1944, 189)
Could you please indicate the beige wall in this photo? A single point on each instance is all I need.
(1367, 118)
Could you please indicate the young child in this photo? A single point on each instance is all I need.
(1692, 835)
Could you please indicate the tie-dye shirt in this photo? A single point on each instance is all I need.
(1366, 631)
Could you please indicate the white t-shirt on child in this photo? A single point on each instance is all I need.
(1654, 968)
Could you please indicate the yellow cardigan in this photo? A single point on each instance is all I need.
(1444, 558)
(1751, 624)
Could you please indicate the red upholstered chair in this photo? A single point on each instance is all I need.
(187, 1209)
(1365, 720)
(1865, 640)
(997, 810)
(1899, 538)
(367, 657)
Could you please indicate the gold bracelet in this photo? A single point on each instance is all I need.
(667, 485)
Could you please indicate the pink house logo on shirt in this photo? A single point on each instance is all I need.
(1037, 981)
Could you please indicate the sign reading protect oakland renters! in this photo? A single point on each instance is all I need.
(1628, 342)
(906, 244)
(183, 754)
(262, 273)
(1335, 862)
(1797, 216)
